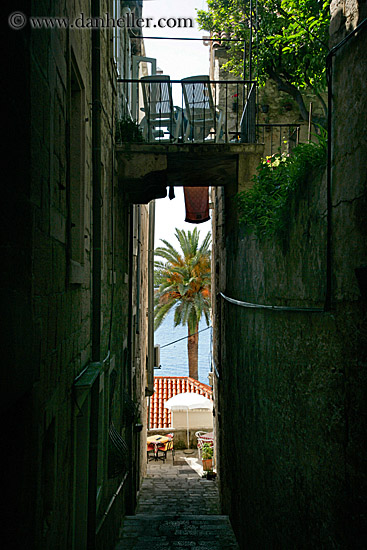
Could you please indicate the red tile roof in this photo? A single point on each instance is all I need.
(166, 387)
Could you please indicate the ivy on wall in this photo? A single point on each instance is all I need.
(264, 209)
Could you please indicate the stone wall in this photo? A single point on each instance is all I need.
(345, 16)
(274, 107)
(48, 292)
(290, 385)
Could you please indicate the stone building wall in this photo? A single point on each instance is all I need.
(274, 107)
(345, 16)
(47, 289)
(290, 385)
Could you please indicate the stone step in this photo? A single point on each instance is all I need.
(162, 531)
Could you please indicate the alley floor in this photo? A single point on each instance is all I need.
(177, 508)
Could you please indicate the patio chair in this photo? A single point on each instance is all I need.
(162, 119)
(202, 115)
(165, 447)
(158, 451)
(200, 441)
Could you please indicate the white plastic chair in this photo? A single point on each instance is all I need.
(200, 111)
(200, 441)
(160, 113)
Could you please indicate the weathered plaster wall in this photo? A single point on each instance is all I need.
(291, 388)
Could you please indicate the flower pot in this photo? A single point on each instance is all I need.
(207, 464)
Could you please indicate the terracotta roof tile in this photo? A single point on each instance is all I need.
(166, 387)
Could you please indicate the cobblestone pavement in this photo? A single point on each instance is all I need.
(177, 508)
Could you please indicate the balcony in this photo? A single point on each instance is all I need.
(191, 110)
(190, 132)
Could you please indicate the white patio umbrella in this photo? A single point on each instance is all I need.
(188, 401)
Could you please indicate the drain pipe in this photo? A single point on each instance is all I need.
(96, 184)
(138, 272)
(329, 75)
(149, 390)
(96, 273)
(130, 359)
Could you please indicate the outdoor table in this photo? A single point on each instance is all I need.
(159, 443)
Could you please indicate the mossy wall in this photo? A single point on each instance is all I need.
(291, 391)
(294, 417)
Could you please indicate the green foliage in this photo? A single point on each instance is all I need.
(264, 209)
(291, 40)
(207, 451)
(128, 131)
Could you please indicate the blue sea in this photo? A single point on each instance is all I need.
(174, 360)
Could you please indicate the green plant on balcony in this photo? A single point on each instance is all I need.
(128, 131)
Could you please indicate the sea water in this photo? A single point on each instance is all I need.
(174, 359)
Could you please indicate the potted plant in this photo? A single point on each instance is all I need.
(235, 103)
(207, 456)
(128, 131)
(209, 474)
(264, 102)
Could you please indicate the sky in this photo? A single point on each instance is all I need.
(178, 59)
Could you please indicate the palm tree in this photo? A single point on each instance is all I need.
(184, 281)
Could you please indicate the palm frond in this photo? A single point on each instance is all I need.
(184, 279)
(160, 312)
(204, 248)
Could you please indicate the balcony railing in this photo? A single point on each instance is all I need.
(191, 110)
(278, 138)
(156, 109)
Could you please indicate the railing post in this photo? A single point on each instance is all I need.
(248, 119)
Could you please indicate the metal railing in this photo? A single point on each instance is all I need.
(278, 138)
(191, 110)
(157, 109)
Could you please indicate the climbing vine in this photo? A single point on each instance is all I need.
(264, 209)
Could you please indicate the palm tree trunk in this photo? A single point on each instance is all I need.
(192, 350)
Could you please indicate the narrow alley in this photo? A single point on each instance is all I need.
(255, 115)
(177, 508)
